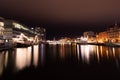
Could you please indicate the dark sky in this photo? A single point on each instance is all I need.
(63, 17)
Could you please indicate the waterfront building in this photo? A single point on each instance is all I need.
(114, 33)
(90, 35)
(102, 37)
(1, 29)
(13, 29)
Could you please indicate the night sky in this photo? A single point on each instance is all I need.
(63, 17)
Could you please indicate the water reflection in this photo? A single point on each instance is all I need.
(62, 51)
(1, 62)
(87, 51)
(42, 52)
(23, 57)
(37, 55)
(20, 58)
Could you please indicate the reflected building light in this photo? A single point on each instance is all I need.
(42, 54)
(107, 53)
(6, 58)
(74, 50)
(101, 51)
(22, 58)
(78, 52)
(62, 51)
(85, 53)
(1, 63)
(87, 50)
(29, 56)
(82, 52)
(98, 54)
(113, 50)
(35, 55)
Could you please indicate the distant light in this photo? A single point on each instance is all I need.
(1, 24)
(32, 28)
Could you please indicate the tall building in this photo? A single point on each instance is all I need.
(13, 29)
(114, 33)
(90, 36)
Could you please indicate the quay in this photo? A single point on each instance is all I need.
(101, 44)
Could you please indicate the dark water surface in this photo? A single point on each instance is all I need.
(63, 61)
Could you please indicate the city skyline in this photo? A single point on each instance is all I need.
(63, 18)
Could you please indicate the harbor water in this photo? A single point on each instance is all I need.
(60, 61)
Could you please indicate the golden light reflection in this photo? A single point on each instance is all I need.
(6, 58)
(62, 51)
(74, 49)
(78, 51)
(101, 51)
(35, 55)
(23, 57)
(88, 51)
(107, 53)
(85, 53)
(98, 54)
(113, 49)
(1, 63)
(29, 56)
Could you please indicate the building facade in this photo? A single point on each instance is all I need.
(13, 30)
(102, 37)
(90, 36)
(114, 33)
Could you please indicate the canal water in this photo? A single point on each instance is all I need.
(61, 61)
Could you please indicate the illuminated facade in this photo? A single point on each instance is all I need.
(89, 35)
(114, 33)
(1, 28)
(13, 29)
(102, 37)
(15, 32)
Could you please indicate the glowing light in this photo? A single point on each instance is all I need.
(113, 49)
(62, 51)
(101, 51)
(23, 58)
(1, 23)
(98, 54)
(32, 28)
(16, 25)
(85, 53)
(6, 58)
(107, 53)
(78, 51)
(35, 55)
